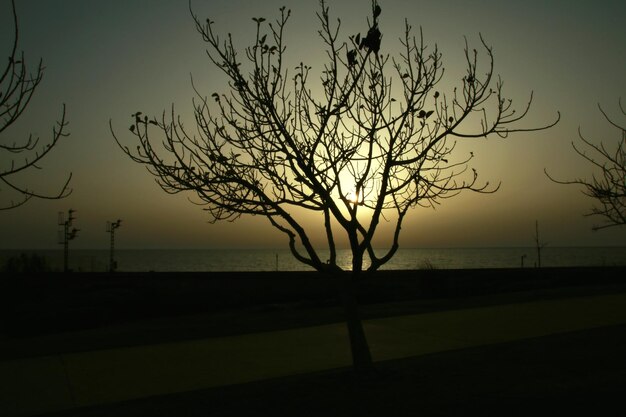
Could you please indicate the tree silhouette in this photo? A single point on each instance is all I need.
(372, 142)
(609, 187)
(17, 86)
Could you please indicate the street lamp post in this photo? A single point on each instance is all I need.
(66, 234)
(111, 226)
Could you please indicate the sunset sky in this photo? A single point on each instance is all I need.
(108, 59)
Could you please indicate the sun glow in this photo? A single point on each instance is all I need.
(355, 198)
(351, 193)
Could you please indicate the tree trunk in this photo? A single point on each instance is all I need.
(361, 356)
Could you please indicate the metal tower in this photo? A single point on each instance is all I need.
(66, 234)
(111, 226)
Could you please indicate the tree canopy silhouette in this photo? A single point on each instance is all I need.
(17, 86)
(371, 139)
(608, 188)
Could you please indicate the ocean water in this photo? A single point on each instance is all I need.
(281, 259)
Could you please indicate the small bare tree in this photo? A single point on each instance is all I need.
(372, 142)
(608, 188)
(17, 86)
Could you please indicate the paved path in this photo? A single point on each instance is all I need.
(49, 383)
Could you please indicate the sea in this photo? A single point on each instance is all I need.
(207, 260)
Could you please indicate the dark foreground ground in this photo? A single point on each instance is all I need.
(580, 373)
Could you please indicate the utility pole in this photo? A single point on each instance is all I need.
(539, 245)
(111, 226)
(65, 235)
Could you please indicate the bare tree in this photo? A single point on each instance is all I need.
(372, 142)
(608, 188)
(17, 86)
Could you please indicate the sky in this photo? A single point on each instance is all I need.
(105, 60)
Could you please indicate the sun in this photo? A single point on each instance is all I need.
(353, 190)
(354, 197)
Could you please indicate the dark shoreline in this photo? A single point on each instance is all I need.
(56, 302)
